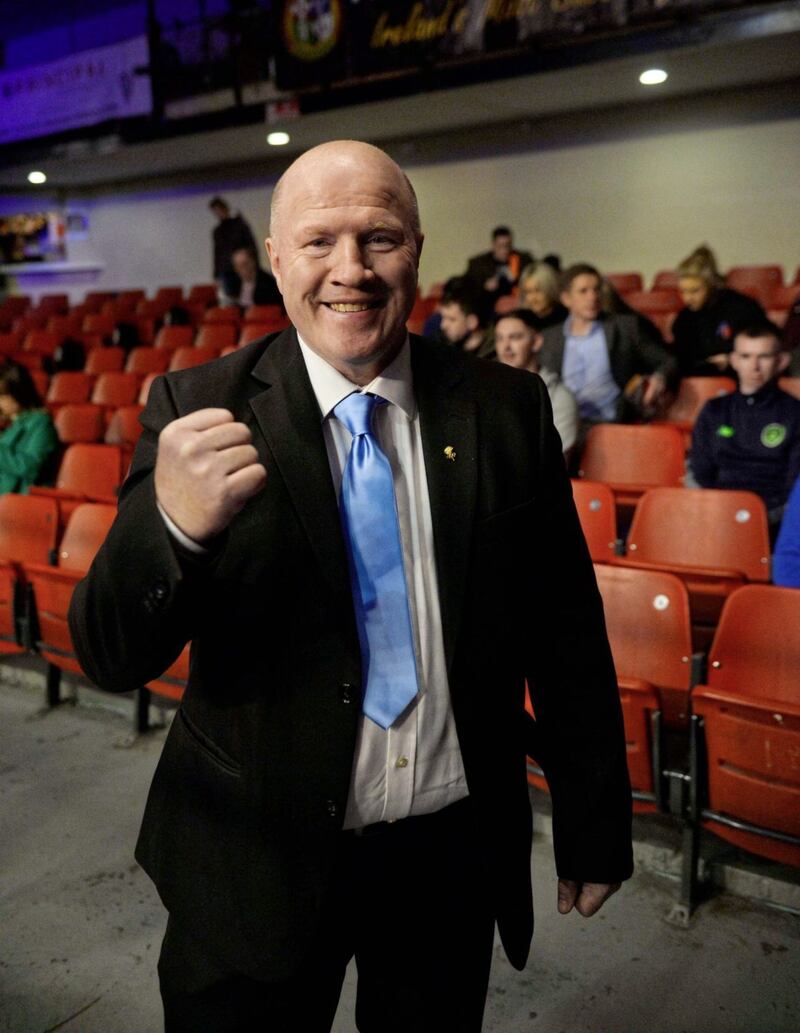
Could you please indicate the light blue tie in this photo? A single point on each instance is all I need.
(372, 536)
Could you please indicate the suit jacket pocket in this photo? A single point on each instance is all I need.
(214, 752)
(506, 526)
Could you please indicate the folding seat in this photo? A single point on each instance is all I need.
(222, 314)
(598, 516)
(184, 358)
(114, 389)
(32, 320)
(147, 360)
(746, 725)
(53, 304)
(99, 324)
(104, 360)
(42, 342)
(174, 337)
(68, 326)
(31, 360)
(144, 390)
(693, 394)
(791, 385)
(80, 422)
(265, 314)
(41, 381)
(502, 306)
(10, 344)
(52, 587)
(146, 327)
(150, 309)
(783, 297)
(206, 293)
(130, 299)
(421, 310)
(12, 307)
(663, 322)
(124, 429)
(624, 283)
(68, 387)
(761, 278)
(649, 627)
(169, 296)
(96, 299)
(776, 316)
(655, 302)
(28, 534)
(631, 459)
(714, 540)
(216, 336)
(88, 473)
(667, 279)
(252, 332)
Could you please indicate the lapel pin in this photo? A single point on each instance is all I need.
(450, 453)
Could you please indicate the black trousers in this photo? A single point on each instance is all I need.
(410, 905)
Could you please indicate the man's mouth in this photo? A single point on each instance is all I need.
(351, 306)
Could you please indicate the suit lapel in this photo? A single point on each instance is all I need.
(448, 421)
(288, 416)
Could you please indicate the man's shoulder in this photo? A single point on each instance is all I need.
(432, 359)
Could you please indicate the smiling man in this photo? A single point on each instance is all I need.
(332, 515)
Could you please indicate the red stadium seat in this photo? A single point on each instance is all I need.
(114, 389)
(631, 459)
(53, 304)
(222, 314)
(28, 534)
(763, 278)
(68, 326)
(791, 385)
(252, 332)
(598, 516)
(52, 588)
(185, 358)
(68, 388)
(166, 297)
(124, 430)
(94, 323)
(747, 724)
(88, 473)
(624, 283)
(147, 360)
(204, 293)
(174, 337)
(655, 302)
(265, 314)
(41, 381)
(693, 394)
(42, 342)
(216, 336)
(667, 279)
(783, 297)
(104, 360)
(714, 540)
(80, 422)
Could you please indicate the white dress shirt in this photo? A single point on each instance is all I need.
(414, 767)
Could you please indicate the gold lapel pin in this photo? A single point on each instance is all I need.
(450, 453)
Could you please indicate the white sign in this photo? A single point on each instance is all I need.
(81, 90)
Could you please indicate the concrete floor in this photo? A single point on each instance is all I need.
(80, 924)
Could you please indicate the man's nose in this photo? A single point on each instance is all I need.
(350, 263)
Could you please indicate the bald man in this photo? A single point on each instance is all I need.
(287, 829)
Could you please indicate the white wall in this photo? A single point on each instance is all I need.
(640, 203)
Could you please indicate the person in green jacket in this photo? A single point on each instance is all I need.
(28, 437)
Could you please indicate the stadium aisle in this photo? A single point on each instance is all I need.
(81, 924)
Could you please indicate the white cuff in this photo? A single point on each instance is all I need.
(179, 536)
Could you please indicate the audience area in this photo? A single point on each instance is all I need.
(707, 648)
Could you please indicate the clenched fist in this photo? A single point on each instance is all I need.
(206, 469)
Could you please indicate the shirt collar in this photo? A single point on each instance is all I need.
(568, 327)
(330, 386)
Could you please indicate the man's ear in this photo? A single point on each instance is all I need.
(274, 261)
(564, 296)
(472, 322)
(784, 358)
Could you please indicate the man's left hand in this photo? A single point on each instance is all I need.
(656, 386)
(586, 897)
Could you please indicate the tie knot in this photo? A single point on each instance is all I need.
(355, 412)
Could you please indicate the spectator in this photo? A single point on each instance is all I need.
(597, 354)
(786, 559)
(28, 437)
(516, 341)
(750, 440)
(539, 293)
(247, 283)
(704, 330)
(496, 272)
(464, 323)
(230, 234)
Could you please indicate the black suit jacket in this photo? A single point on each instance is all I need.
(630, 351)
(247, 803)
(483, 267)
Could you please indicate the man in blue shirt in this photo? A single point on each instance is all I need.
(597, 354)
(750, 440)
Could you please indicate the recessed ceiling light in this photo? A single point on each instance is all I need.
(277, 139)
(37, 177)
(653, 77)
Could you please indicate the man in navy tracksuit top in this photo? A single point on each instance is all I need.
(750, 440)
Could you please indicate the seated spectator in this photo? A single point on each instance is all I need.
(704, 330)
(516, 340)
(69, 356)
(497, 272)
(786, 558)
(464, 323)
(750, 440)
(246, 283)
(539, 292)
(597, 354)
(28, 437)
(126, 336)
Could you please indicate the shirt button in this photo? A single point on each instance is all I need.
(402, 762)
(331, 808)
(348, 692)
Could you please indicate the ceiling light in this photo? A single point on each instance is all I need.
(653, 77)
(37, 177)
(277, 139)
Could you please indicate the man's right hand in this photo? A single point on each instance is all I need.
(206, 470)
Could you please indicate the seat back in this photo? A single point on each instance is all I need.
(216, 336)
(42, 342)
(205, 293)
(124, 428)
(76, 422)
(143, 360)
(761, 277)
(95, 323)
(791, 385)
(85, 533)
(693, 394)
(28, 528)
(169, 296)
(756, 650)
(639, 456)
(598, 516)
(708, 528)
(265, 314)
(91, 470)
(174, 337)
(228, 314)
(104, 360)
(69, 387)
(184, 358)
(624, 283)
(115, 389)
